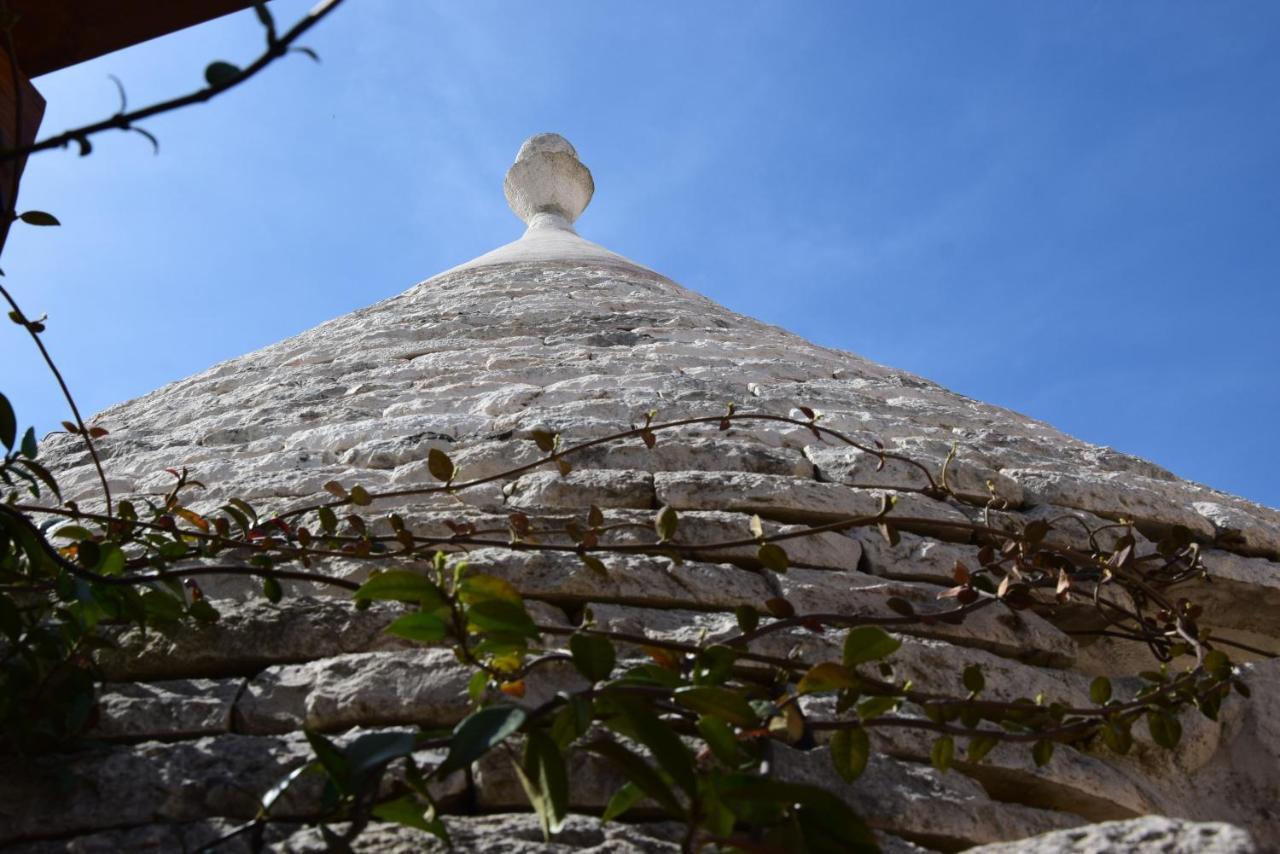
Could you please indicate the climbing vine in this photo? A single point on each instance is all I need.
(691, 728)
(688, 726)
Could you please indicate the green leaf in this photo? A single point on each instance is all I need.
(500, 615)
(666, 523)
(850, 749)
(572, 721)
(826, 823)
(407, 811)
(220, 73)
(440, 466)
(748, 618)
(773, 557)
(271, 589)
(543, 777)
(664, 745)
(360, 496)
(720, 739)
(173, 550)
(203, 611)
(1100, 690)
(42, 473)
(1217, 664)
(111, 560)
(328, 519)
(1042, 752)
(980, 746)
(593, 655)
(827, 676)
(627, 796)
(973, 679)
(868, 643)
(368, 754)
(1165, 728)
(38, 218)
(478, 587)
(479, 733)
(161, 607)
(723, 703)
(943, 752)
(875, 706)
(332, 760)
(419, 626)
(73, 532)
(476, 686)
(640, 774)
(29, 446)
(594, 564)
(8, 423)
(401, 585)
(1117, 737)
(545, 441)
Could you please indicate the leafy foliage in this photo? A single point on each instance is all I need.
(687, 725)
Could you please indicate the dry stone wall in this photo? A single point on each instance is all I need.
(196, 720)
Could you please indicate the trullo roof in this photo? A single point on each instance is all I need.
(555, 333)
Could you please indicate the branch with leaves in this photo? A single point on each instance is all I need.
(688, 726)
(220, 76)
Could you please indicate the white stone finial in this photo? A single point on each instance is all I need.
(547, 178)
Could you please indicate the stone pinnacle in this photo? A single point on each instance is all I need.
(547, 178)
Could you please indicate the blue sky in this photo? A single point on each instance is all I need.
(1068, 209)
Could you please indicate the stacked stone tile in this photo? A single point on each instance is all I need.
(555, 333)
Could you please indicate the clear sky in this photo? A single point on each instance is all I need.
(1068, 209)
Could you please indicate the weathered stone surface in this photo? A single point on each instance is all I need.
(966, 475)
(555, 333)
(1255, 531)
(918, 803)
(220, 776)
(1017, 634)
(825, 550)
(180, 708)
(159, 838)
(248, 637)
(1151, 834)
(636, 579)
(511, 833)
(425, 688)
(1155, 504)
(582, 488)
(915, 558)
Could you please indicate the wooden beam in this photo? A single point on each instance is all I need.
(52, 34)
(15, 91)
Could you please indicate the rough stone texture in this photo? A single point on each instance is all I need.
(554, 333)
(426, 687)
(248, 637)
(182, 708)
(634, 579)
(216, 777)
(1017, 634)
(506, 834)
(1151, 834)
(915, 801)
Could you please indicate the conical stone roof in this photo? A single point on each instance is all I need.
(554, 333)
